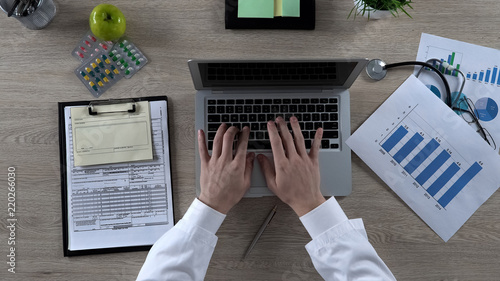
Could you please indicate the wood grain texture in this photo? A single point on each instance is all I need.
(36, 72)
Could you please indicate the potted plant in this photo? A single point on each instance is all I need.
(377, 9)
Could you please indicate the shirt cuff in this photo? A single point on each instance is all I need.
(202, 215)
(323, 217)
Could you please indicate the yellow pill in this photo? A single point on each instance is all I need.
(105, 79)
(107, 61)
(100, 84)
(91, 84)
(88, 69)
(116, 71)
(98, 60)
(107, 71)
(94, 65)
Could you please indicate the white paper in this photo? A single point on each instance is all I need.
(479, 64)
(447, 146)
(120, 205)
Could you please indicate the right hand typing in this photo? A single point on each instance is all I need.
(294, 175)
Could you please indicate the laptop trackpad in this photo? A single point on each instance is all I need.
(258, 179)
(258, 185)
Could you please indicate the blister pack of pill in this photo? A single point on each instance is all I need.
(89, 45)
(127, 57)
(106, 62)
(98, 73)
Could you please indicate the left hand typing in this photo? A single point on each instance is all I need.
(225, 178)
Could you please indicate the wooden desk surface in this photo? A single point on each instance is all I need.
(36, 72)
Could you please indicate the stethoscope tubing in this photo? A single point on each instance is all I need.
(412, 63)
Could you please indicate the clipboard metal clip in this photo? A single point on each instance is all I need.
(93, 111)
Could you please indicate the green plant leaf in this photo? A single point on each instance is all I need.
(362, 7)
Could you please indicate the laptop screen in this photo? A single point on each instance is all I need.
(247, 74)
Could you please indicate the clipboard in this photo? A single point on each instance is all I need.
(307, 19)
(111, 225)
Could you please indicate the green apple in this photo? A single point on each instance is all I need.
(107, 22)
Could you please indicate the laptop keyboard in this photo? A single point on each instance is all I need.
(312, 113)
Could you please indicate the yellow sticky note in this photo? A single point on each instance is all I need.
(278, 8)
(255, 8)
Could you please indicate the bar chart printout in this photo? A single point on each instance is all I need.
(480, 66)
(430, 157)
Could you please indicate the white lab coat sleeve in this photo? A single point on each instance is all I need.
(340, 249)
(184, 252)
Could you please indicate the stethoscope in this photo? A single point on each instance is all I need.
(377, 70)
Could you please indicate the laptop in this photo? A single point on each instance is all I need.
(251, 92)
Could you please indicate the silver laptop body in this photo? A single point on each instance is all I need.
(226, 84)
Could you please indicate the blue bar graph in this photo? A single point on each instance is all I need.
(430, 162)
(443, 179)
(408, 147)
(432, 167)
(491, 76)
(394, 138)
(460, 184)
(421, 156)
(487, 78)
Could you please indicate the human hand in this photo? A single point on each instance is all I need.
(224, 179)
(295, 176)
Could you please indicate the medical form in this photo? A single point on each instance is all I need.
(124, 204)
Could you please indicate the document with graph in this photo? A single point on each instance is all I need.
(429, 156)
(121, 206)
(481, 69)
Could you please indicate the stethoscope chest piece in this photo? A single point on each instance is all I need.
(376, 69)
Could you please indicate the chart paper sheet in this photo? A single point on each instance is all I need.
(429, 156)
(480, 66)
